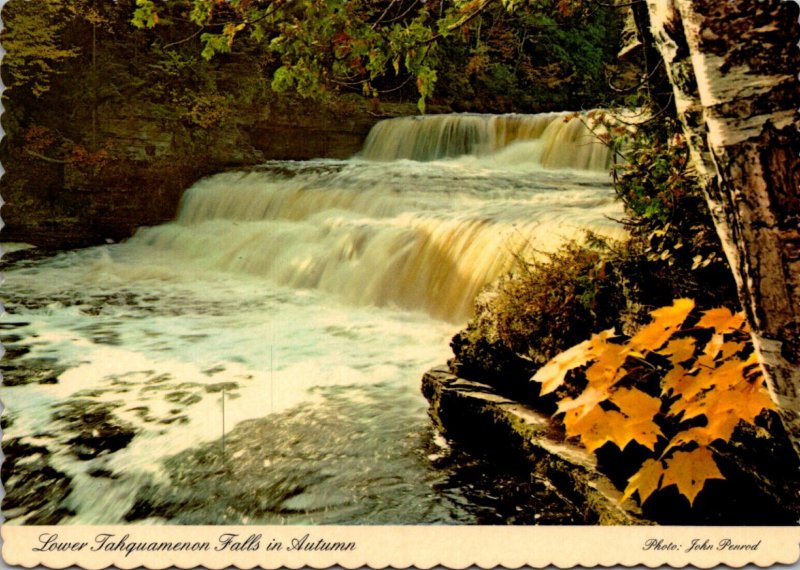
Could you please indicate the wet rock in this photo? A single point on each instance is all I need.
(98, 430)
(31, 371)
(219, 387)
(762, 472)
(469, 411)
(479, 358)
(34, 489)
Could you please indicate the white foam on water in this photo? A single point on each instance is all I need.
(278, 285)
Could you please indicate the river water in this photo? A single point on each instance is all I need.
(258, 359)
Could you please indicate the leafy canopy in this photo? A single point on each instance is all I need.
(374, 46)
(31, 38)
(320, 45)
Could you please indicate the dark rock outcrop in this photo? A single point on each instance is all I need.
(760, 470)
(467, 410)
(153, 159)
(34, 489)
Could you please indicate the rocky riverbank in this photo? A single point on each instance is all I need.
(465, 410)
(149, 162)
(760, 485)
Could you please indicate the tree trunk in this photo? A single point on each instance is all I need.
(733, 65)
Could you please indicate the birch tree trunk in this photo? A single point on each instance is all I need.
(733, 65)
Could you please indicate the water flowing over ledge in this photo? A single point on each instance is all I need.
(549, 140)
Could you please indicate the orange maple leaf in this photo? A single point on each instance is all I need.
(552, 374)
(607, 370)
(675, 381)
(702, 436)
(732, 395)
(679, 350)
(589, 399)
(690, 470)
(721, 320)
(598, 427)
(646, 480)
(633, 402)
(708, 357)
(595, 426)
(666, 321)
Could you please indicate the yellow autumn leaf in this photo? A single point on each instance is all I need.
(708, 357)
(725, 408)
(588, 400)
(690, 470)
(666, 321)
(607, 370)
(722, 320)
(701, 436)
(552, 374)
(724, 390)
(675, 381)
(679, 350)
(646, 481)
(639, 409)
(598, 427)
(633, 402)
(730, 349)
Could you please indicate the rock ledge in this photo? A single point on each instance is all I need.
(470, 411)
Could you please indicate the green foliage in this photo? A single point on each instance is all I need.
(536, 57)
(379, 47)
(145, 15)
(548, 304)
(668, 216)
(32, 41)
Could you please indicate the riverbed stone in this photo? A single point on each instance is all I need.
(97, 430)
(34, 489)
(466, 410)
(20, 372)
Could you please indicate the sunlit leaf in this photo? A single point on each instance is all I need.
(679, 350)
(722, 320)
(666, 321)
(646, 481)
(690, 470)
(607, 370)
(552, 374)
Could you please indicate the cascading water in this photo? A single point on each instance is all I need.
(310, 297)
(550, 140)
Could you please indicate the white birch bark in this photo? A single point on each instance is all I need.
(733, 65)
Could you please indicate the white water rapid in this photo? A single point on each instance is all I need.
(307, 298)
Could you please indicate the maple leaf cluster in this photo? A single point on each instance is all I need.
(695, 383)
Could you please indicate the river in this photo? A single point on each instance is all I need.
(258, 359)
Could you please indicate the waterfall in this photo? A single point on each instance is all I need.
(548, 140)
(305, 298)
(416, 236)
